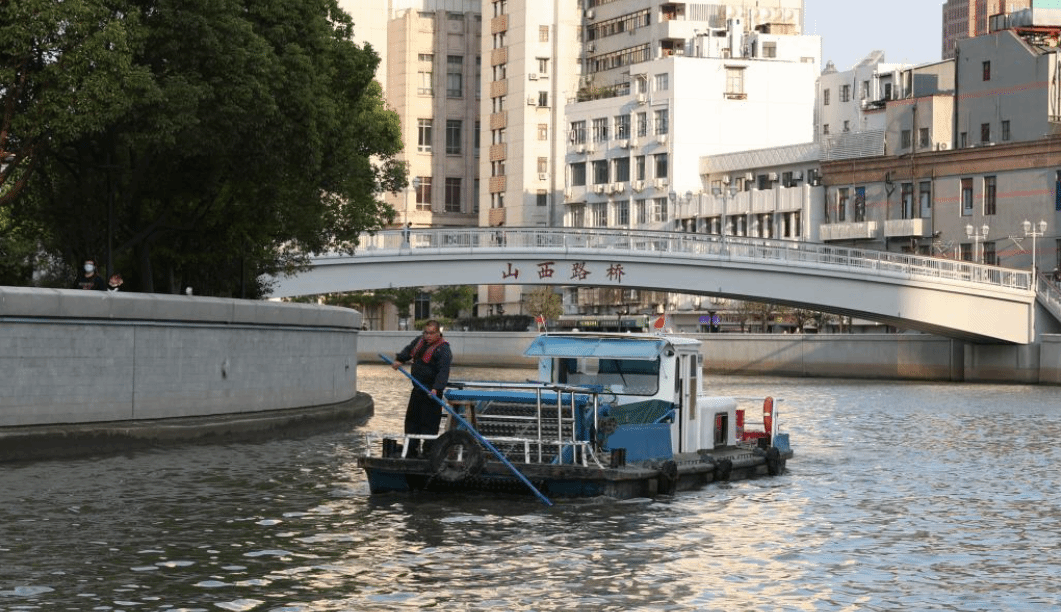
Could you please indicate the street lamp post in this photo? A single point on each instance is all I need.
(977, 237)
(1034, 231)
(726, 195)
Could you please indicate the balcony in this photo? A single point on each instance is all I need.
(906, 228)
(866, 230)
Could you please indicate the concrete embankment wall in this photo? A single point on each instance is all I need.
(870, 356)
(73, 357)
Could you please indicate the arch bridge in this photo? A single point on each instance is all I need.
(957, 299)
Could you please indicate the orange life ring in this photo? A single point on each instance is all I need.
(768, 415)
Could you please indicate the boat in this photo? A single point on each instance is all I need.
(619, 415)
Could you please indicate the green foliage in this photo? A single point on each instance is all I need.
(451, 302)
(248, 136)
(544, 301)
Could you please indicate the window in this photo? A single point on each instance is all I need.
(907, 200)
(661, 165)
(543, 33)
(905, 139)
(427, 58)
(475, 197)
(600, 172)
(543, 131)
(924, 194)
(825, 97)
(639, 168)
(967, 196)
(847, 125)
(987, 71)
(455, 76)
(475, 137)
(543, 165)
(864, 90)
(845, 93)
(990, 259)
(543, 66)
(500, 72)
(453, 194)
(542, 198)
(543, 98)
(622, 213)
(599, 214)
(423, 194)
(843, 195)
(661, 123)
(600, 129)
(424, 87)
(769, 49)
(622, 126)
(659, 209)
(922, 138)
(735, 82)
(1005, 130)
(423, 136)
(963, 139)
(825, 129)
(990, 195)
(662, 82)
(453, 136)
(985, 132)
(578, 132)
(578, 174)
(622, 169)
(500, 7)
(422, 306)
(860, 204)
(642, 124)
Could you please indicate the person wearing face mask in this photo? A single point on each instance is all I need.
(89, 279)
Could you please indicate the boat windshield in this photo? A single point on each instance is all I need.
(621, 376)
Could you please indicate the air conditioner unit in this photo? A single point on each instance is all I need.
(624, 144)
(662, 139)
(772, 176)
(618, 187)
(567, 195)
(532, 101)
(533, 76)
(598, 188)
(749, 176)
(580, 148)
(591, 148)
(639, 185)
(941, 146)
(641, 98)
(543, 176)
(725, 180)
(661, 183)
(591, 46)
(633, 142)
(797, 175)
(589, 14)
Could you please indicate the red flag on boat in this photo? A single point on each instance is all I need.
(660, 322)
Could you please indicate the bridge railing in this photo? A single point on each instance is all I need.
(1049, 295)
(882, 263)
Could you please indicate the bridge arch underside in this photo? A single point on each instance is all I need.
(943, 307)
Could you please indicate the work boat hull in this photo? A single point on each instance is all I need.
(405, 475)
(616, 415)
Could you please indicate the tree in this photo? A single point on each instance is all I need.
(542, 300)
(451, 301)
(262, 139)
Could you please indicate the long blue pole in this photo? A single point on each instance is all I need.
(468, 426)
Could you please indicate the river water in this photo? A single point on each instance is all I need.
(902, 496)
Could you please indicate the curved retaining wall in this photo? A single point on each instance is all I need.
(87, 357)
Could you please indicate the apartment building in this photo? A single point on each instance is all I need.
(968, 18)
(433, 74)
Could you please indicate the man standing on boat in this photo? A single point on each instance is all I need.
(431, 359)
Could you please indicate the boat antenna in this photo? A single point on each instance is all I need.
(468, 426)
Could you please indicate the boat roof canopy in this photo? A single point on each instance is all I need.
(600, 347)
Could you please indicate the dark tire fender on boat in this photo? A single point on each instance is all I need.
(471, 462)
(668, 478)
(723, 469)
(774, 463)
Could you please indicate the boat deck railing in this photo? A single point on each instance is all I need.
(532, 422)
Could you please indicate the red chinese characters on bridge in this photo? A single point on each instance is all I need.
(580, 270)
